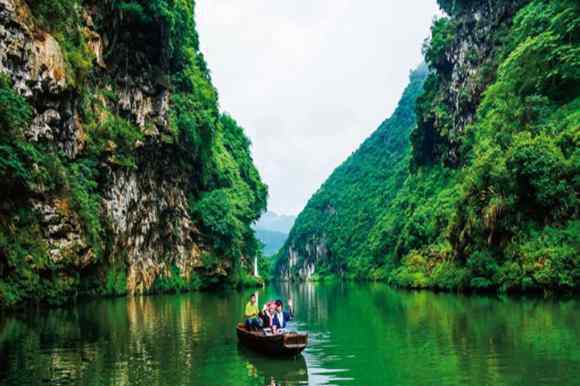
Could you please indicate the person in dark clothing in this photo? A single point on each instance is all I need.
(282, 317)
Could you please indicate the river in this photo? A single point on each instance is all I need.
(359, 335)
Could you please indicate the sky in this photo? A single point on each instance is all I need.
(309, 80)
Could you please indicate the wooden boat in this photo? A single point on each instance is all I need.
(287, 344)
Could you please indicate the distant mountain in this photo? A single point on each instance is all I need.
(275, 222)
(272, 240)
(272, 229)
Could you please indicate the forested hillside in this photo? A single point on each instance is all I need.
(119, 173)
(488, 197)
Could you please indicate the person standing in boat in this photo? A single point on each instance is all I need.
(282, 317)
(251, 313)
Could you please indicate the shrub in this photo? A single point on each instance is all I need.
(174, 281)
(541, 171)
(483, 268)
(115, 282)
(449, 276)
(550, 257)
(115, 138)
(413, 272)
(87, 201)
(248, 281)
(55, 15)
(436, 49)
(15, 112)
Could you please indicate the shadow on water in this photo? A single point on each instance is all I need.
(275, 371)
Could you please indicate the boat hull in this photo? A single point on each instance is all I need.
(289, 344)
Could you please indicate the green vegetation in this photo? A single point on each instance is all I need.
(153, 40)
(435, 50)
(236, 195)
(115, 282)
(63, 19)
(174, 281)
(15, 112)
(507, 218)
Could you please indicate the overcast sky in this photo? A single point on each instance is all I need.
(309, 80)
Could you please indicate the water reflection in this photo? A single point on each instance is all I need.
(275, 371)
(359, 334)
(370, 334)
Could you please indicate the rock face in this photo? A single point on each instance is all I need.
(63, 232)
(35, 63)
(33, 58)
(122, 200)
(151, 226)
(469, 65)
(302, 264)
(142, 206)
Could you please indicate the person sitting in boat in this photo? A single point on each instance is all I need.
(268, 314)
(282, 317)
(251, 314)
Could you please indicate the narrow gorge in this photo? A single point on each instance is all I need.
(140, 243)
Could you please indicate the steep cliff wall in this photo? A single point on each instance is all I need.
(119, 173)
(488, 198)
(463, 54)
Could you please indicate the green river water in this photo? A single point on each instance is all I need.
(359, 335)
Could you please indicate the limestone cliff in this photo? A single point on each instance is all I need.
(464, 55)
(119, 172)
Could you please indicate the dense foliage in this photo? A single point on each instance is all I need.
(508, 217)
(156, 39)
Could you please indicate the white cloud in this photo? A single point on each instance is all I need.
(309, 79)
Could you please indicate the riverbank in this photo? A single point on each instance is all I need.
(424, 281)
(116, 287)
